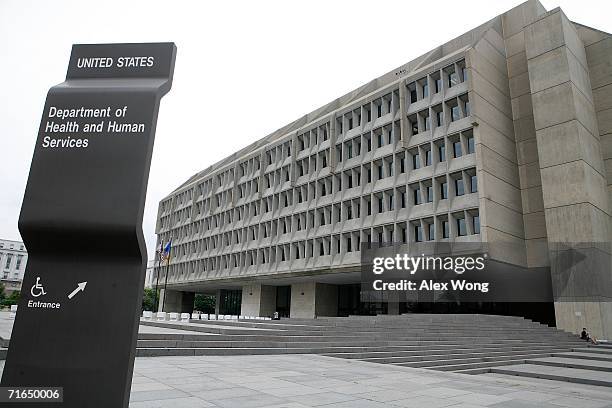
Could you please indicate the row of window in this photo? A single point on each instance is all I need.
(377, 203)
(440, 227)
(463, 182)
(9, 259)
(447, 77)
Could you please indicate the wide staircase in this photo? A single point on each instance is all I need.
(473, 344)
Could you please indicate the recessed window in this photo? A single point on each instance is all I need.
(425, 89)
(457, 149)
(470, 144)
(418, 233)
(455, 114)
(443, 190)
(442, 152)
(428, 157)
(413, 95)
(473, 184)
(459, 188)
(438, 85)
(417, 196)
(476, 224)
(461, 229)
(440, 118)
(416, 162)
(431, 233)
(429, 194)
(445, 229)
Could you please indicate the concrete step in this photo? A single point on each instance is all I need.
(573, 375)
(393, 345)
(584, 356)
(445, 362)
(428, 358)
(594, 349)
(573, 363)
(471, 366)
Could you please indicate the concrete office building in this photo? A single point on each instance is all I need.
(13, 260)
(503, 134)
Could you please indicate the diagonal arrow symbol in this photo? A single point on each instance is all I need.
(80, 288)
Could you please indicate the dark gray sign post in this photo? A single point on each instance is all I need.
(81, 220)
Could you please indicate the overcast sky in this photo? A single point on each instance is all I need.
(243, 68)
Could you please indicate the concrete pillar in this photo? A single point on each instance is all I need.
(572, 172)
(176, 301)
(258, 300)
(311, 299)
(217, 301)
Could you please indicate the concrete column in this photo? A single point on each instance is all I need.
(573, 177)
(217, 301)
(258, 300)
(311, 299)
(176, 301)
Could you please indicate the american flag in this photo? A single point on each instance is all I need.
(164, 254)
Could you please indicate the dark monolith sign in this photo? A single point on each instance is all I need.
(81, 221)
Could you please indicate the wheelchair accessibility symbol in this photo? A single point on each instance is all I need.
(37, 290)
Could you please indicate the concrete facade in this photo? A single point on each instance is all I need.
(13, 260)
(499, 135)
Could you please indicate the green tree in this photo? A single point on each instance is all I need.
(148, 299)
(2, 294)
(204, 303)
(11, 299)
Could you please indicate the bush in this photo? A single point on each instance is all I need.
(148, 300)
(11, 299)
(204, 303)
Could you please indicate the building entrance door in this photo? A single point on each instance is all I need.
(283, 300)
(230, 302)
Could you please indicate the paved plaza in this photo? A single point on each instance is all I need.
(296, 381)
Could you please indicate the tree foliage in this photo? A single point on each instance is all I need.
(148, 299)
(204, 303)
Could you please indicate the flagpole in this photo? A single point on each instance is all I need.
(167, 270)
(159, 259)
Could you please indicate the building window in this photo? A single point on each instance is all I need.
(467, 108)
(418, 233)
(455, 115)
(440, 118)
(476, 224)
(438, 85)
(427, 122)
(457, 149)
(442, 152)
(431, 233)
(473, 184)
(429, 194)
(445, 229)
(380, 171)
(461, 230)
(443, 190)
(453, 79)
(417, 196)
(425, 89)
(416, 163)
(428, 157)
(459, 187)
(413, 96)
(470, 144)
(9, 258)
